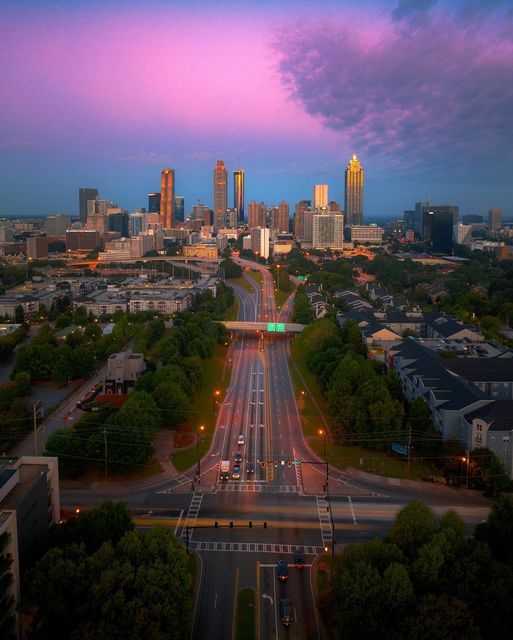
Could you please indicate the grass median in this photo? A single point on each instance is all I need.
(241, 282)
(255, 275)
(217, 373)
(232, 313)
(246, 614)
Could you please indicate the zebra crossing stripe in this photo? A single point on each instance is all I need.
(255, 547)
(192, 515)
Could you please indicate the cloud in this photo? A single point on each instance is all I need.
(145, 157)
(443, 96)
(407, 8)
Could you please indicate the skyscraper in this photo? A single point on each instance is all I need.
(353, 198)
(283, 217)
(85, 194)
(154, 203)
(299, 219)
(494, 220)
(220, 194)
(179, 208)
(238, 194)
(328, 231)
(441, 228)
(256, 214)
(167, 198)
(320, 196)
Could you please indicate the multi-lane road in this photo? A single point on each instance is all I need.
(284, 502)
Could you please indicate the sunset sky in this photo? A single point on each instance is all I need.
(107, 93)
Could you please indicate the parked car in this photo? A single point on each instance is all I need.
(286, 611)
(283, 572)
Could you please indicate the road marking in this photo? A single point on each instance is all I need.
(266, 595)
(178, 522)
(215, 601)
(258, 600)
(324, 520)
(234, 617)
(254, 547)
(192, 515)
(275, 608)
(352, 509)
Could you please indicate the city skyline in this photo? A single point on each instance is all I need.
(79, 113)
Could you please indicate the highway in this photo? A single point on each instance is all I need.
(285, 503)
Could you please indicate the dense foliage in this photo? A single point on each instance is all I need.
(426, 580)
(120, 440)
(231, 269)
(8, 342)
(215, 306)
(303, 312)
(15, 415)
(102, 579)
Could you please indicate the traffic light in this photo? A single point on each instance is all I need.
(265, 525)
(231, 525)
(250, 524)
(290, 463)
(276, 463)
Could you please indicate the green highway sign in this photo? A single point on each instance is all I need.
(302, 277)
(280, 327)
(271, 326)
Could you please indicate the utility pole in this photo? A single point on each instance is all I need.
(409, 447)
(35, 410)
(105, 446)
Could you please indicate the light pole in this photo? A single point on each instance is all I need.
(201, 428)
(322, 433)
(217, 393)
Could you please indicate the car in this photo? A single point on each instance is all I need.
(241, 440)
(286, 611)
(299, 560)
(236, 472)
(250, 468)
(238, 458)
(283, 572)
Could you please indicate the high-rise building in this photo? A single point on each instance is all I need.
(462, 233)
(118, 221)
(283, 217)
(154, 203)
(137, 223)
(441, 230)
(353, 199)
(494, 220)
(328, 231)
(220, 194)
(238, 194)
(179, 208)
(57, 225)
(426, 213)
(203, 213)
(256, 214)
(167, 198)
(320, 196)
(299, 219)
(37, 247)
(334, 206)
(260, 241)
(85, 194)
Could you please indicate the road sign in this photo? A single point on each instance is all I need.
(401, 449)
(280, 327)
(271, 326)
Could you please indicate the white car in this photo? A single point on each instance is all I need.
(241, 440)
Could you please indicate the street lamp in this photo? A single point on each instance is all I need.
(201, 428)
(217, 393)
(322, 433)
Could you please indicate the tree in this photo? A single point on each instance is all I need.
(83, 362)
(231, 269)
(68, 447)
(173, 402)
(414, 526)
(497, 531)
(441, 618)
(495, 477)
(19, 314)
(64, 365)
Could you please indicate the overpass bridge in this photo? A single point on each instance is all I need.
(264, 327)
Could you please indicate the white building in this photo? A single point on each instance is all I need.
(260, 241)
(462, 233)
(366, 233)
(328, 231)
(320, 196)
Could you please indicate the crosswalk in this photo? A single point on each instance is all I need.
(192, 515)
(253, 487)
(255, 547)
(324, 520)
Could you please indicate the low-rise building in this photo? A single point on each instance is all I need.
(123, 369)
(37, 247)
(200, 251)
(366, 233)
(82, 239)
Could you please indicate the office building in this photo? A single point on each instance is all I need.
(320, 196)
(283, 217)
(200, 251)
(220, 194)
(123, 369)
(471, 218)
(57, 225)
(353, 197)
(425, 213)
(137, 223)
(441, 230)
(257, 213)
(494, 220)
(203, 213)
(328, 231)
(260, 242)
(37, 247)
(154, 203)
(334, 207)
(82, 239)
(99, 207)
(179, 208)
(84, 195)
(371, 234)
(230, 219)
(118, 222)
(238, 194)
(299, 218)
(409, 219)
(462, 233)
(167, 198)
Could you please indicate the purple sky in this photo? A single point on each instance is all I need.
(108, 93)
